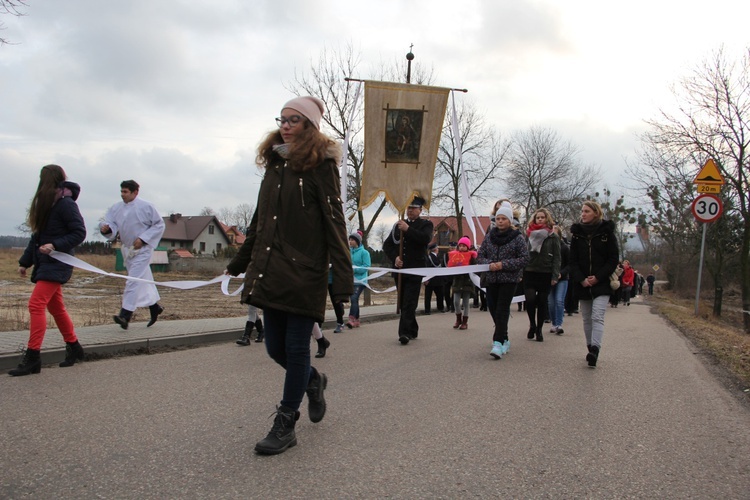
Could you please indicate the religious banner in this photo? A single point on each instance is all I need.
(403, 125)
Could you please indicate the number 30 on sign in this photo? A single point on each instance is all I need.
(707, 208)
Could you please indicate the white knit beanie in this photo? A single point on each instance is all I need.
(505, 210)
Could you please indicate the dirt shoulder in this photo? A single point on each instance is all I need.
(720, 342)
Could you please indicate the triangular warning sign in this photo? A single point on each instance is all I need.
(709, 174)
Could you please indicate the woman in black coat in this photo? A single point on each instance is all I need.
(593, 258)
(56, 224)
(296, 231)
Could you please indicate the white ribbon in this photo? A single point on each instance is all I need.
(181, 285)
(425, 272)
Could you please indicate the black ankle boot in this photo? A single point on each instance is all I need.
(245, 339)
(282, 434)
(31, 363)
(123, 319)
(259, 327)
(592, 356)
(539, 335)
(532, 332)
(316, 403)
(73, 353)
(155, 310)
(323, 344)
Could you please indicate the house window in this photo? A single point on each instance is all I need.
(203, 246)
(210, 229)
(182, 244)
(172, 244)
(218, 247)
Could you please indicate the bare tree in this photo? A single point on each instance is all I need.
(207, 211)
(482, 153)
(243, 214)
(712, 120)
(664, 178)
(226, 216)
(10, 7)
(544, 171)
(326, 80)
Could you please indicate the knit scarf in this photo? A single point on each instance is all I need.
(500, 238)
(537, 233)
(282, 150)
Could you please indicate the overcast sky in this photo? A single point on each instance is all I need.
(177, 93)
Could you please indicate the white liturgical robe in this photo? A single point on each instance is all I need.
(137, 219)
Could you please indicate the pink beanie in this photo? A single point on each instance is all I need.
(465, 241)
(310, 107)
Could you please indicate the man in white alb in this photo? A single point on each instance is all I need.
(140, 227)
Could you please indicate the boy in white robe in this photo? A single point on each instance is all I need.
(140, 227)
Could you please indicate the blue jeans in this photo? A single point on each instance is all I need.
(556, 302)
(287, 339)
(354, 301)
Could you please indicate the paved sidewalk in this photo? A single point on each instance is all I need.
(111, 339)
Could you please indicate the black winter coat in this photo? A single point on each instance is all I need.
(593, 254)
(416, 240)
(65, 229)
(298, 229)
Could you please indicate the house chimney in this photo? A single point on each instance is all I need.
(174, 217)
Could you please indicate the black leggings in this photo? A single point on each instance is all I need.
(338, 307)
(536, 287)
(499, 297)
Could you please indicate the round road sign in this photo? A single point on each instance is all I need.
(707, 208)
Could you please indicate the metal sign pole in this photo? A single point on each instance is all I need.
(700, 270)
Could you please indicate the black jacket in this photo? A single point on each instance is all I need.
(65, 229)
(593, 254)
(298, 229)
(416, 240)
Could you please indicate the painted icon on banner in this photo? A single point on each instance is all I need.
(403, 134)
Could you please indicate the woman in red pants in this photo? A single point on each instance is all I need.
(56, 224)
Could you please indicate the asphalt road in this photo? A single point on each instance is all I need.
(438, 418)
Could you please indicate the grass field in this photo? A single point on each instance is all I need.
(92, 299)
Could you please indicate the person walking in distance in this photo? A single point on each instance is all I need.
(297, 231)
(504, 249)
(417, 234)
(542, 271)
(56, 225)
(559, 290)
(593, 259)
(361, 260)
(435, 284)
(140, 228)
(463, 287)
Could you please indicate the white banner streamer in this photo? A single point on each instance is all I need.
(425, 272)
(181, 285)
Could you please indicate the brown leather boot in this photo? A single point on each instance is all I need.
(458, 320)
(464, 323)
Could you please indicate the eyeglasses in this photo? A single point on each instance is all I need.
(292, 120)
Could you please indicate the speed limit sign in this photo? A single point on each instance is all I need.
(707, 208)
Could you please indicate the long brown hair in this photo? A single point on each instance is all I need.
(50, 179)
(308, 150)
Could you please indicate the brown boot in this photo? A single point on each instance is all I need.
(458, 320)
(464, 323)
